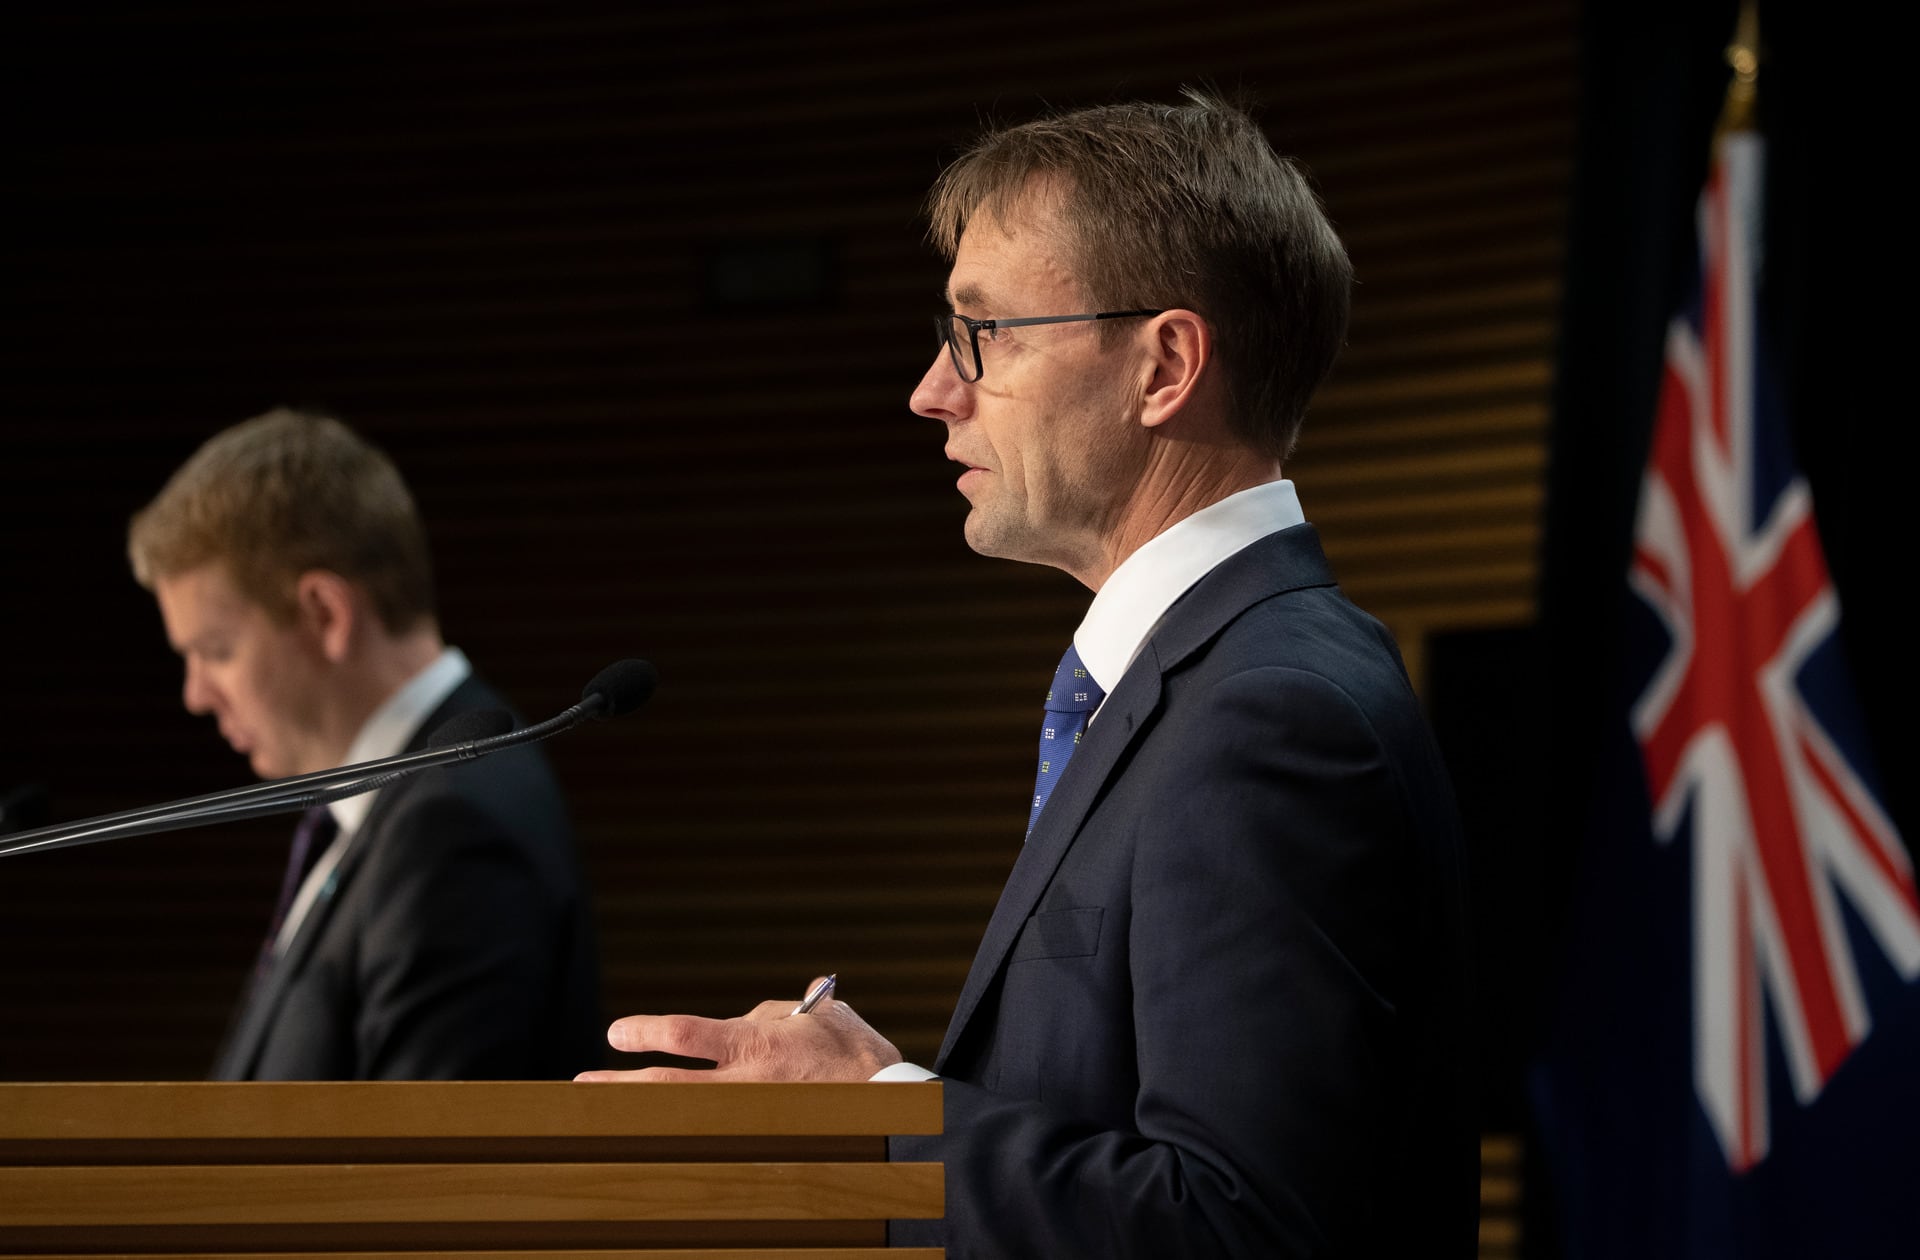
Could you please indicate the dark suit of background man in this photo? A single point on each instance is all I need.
(1219, 1008)
(438, 928)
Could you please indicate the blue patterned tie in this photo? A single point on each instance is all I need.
(1070, 707)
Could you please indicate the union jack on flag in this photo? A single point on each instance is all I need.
(1731, 728)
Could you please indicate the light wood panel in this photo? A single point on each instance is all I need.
(394, 1111)
(597, 1253)
(406, 1168)
(300, 1194)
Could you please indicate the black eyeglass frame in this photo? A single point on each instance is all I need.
(944, 326)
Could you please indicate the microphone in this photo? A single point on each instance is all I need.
(615, 691)
(622, 686)
(464, 728)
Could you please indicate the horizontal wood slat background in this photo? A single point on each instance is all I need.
(507, 241)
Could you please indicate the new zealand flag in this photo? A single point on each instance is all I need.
(1737, 1073)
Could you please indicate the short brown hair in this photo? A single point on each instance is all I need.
(283, 494)
(1180, 206)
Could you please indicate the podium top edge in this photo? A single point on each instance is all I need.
(172, 1110)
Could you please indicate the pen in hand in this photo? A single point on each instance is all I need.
(816, 995)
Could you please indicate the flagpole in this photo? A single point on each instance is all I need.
(1743, 54)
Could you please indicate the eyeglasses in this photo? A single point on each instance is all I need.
(964, 347)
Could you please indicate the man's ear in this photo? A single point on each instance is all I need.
(330, 609)
(1181, 355)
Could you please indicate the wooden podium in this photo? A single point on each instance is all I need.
(476, 1168)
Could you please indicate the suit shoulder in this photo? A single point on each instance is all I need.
(509, 805)
(1315, 632)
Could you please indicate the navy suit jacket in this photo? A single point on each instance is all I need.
(1220, 1007)
(454, 940)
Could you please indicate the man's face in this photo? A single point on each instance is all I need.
(1049, 433)
(260, 679)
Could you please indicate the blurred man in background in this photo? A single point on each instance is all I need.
(437, 928)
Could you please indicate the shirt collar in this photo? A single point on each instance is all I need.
(1132, 601)
(392, 726)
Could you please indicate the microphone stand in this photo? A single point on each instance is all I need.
(299, 792)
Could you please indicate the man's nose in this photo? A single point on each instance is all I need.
(941, 394)
(195, 693)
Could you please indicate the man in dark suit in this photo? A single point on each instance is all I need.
(437, 928)
(1220, 1007)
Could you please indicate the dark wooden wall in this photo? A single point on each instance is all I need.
(635, 294)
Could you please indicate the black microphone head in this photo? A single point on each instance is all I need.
(622, 686)
(474, 724)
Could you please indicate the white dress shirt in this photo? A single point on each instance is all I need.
(1131, 602)
(385, 733)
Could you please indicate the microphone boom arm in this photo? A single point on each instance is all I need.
(277, 796)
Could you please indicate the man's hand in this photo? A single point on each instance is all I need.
(769, 1043)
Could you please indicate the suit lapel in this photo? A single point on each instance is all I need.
(242, 1044)
(270, 988)
(1288, 560)
(1113, 730)
(262, 1003)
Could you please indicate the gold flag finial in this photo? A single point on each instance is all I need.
(1743, 54)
